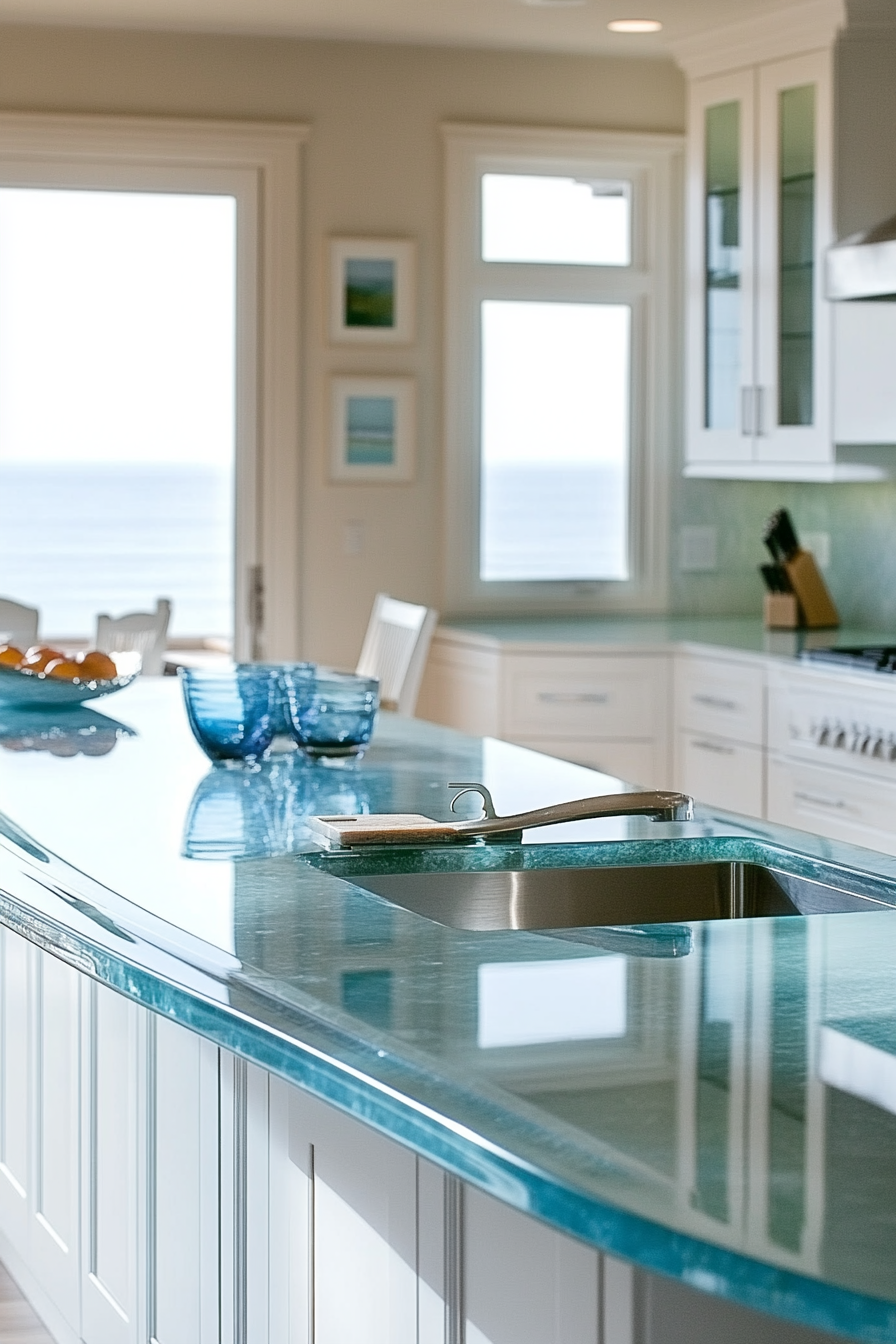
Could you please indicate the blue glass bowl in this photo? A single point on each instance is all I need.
(302, 674)
(232, 713)
(335, 715)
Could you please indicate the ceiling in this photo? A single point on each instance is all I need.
(541, 26)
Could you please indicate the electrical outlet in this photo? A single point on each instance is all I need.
(819, 543)
(353, 538)
(698, 549)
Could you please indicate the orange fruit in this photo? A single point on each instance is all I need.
(66, 669)
(10, 656)
(37, 658)
(96, 666)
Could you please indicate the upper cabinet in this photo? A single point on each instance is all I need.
(759, 218)
(760, 367)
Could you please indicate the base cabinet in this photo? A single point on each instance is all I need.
(193, 1198)
(609, 711)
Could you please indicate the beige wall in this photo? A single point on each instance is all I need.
(373, 166)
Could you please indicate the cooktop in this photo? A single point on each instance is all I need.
(871, 657)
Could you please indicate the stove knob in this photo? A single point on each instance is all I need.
(891, 748)
(878, 751)
(839, 738)
(823, 738)
(867, 743)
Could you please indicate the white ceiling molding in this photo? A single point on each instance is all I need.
(810, 26)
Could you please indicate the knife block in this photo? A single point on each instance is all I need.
(810, 605)
(782, 611)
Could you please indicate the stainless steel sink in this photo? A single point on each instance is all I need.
(575, 898)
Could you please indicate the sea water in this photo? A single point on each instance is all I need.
(554, 521)
(79, 540)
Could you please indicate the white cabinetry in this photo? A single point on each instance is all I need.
(832, 761)
(760, 211)
(607, 710)
(110, 1228)
(39, 1125)
(720, 732)
(219, 1205)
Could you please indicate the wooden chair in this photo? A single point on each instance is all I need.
(395, 649)
(141, 631)
(18, 624)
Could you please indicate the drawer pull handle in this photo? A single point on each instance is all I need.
(835, 804)
(717, 747)
(573, 697)
(716, 702)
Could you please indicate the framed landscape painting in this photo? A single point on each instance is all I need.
(373, 429)
(372, 290)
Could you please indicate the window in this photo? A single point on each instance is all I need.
(561, 264)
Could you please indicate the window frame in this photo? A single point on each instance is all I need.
(650, 285)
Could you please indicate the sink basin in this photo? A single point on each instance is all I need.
(572, 898)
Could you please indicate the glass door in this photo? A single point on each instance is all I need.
(117, 432)
(794, 228)
(720, 269)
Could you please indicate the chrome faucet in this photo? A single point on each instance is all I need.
(656, 804)
(410, 829)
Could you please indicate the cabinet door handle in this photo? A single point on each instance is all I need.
(717, 747)
(746, 412)
(818, 800)
(716, 702)
(573, 697)
(759, 406)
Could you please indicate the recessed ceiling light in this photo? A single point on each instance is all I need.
(635, 26)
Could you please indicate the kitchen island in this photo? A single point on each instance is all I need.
(233, 1080)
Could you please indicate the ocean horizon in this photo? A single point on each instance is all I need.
(79, 540)
(556, 522)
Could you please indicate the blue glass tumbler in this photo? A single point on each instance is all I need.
(232, 712)
(335, 715)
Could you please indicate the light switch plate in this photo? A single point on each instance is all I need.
(698, 549)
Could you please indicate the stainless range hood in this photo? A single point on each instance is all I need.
(863, 266)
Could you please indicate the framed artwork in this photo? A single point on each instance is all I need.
(373, 425)
(372, 290)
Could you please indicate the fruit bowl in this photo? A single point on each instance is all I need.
(21, 686)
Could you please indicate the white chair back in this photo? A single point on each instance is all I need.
(143, 632)
(18, 624)
(395, 649)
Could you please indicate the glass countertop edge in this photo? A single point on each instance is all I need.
(476, 1159)
(437, 1136)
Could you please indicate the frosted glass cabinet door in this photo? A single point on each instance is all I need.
(721, 210)
(793, 335)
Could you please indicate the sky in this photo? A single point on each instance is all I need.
(117, 327)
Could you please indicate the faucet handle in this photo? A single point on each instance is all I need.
(488, 807)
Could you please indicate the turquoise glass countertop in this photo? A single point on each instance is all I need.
(735, 634)
(725, 1115)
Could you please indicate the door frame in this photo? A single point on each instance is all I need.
(260, 164)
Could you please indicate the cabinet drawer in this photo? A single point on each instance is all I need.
(635, 762)
(832, 803)
(722, 773)
(584, 697)
(724, 699)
